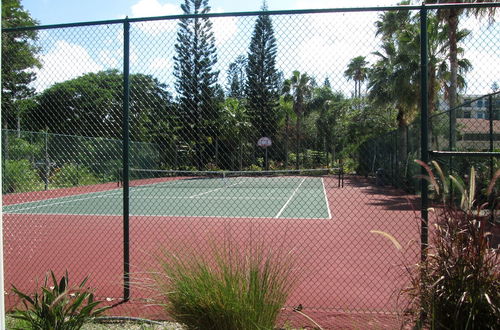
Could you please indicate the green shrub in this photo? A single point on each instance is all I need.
(253, 167)
(232, 290)
(19, 149)
(58, 307)
(458, 284)
(20, 176)
(71, 175)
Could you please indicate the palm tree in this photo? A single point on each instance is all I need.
(286, 113)
(451, 17)
(395, 76)
(235, 125)
(393, 79)
(298, 89)
(357, 71)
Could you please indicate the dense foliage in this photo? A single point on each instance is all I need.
(457, 285)
(19, 56)
(204, 125)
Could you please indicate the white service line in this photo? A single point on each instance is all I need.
(326, 199)
(289, 199)
(63, 202)
(159, 216)
(207, 198)
(207, 192)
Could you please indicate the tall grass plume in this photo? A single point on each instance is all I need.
(225, 287)
(457, 286)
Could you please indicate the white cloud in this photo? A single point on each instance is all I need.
(484, 71)
(224, 28)
(65, 61)
(323, 44)
(110, 58)
(317, 4)
(160, 64)
(148, 8)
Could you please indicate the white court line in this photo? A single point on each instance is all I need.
(208, 197)
(63, 202)
(163, 216)
(326, 199)
(60, 197)
(207, 192)
(289, 199)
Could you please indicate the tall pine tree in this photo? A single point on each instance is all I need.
(236, 77)
(196, 80)
(262, 87)
(19, 58)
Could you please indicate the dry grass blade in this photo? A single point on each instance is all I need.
(389, 237)
(431, 178)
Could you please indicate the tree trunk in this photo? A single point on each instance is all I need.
(18, 123)
(297, 137)
(287, 123)
(402, 146)
(452, 98)
(241, 154)
(431, 101)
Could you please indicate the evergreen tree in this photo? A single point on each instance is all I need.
(196, 80)
(236, 78)
(262, 87)
(19, 57)
(327, 83)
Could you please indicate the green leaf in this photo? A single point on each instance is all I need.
(77, 302)
(82, 284)
(22, 295)
(63, 283)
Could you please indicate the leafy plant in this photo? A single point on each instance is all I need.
(458, 285)
(73, 175)
(232, 290)
(59, 306)
(19, 148)
(19, 176)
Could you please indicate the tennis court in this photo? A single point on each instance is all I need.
(247, 195)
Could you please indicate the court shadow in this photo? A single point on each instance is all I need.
(388, 197)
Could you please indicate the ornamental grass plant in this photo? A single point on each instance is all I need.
(227, 288)
(457, 286)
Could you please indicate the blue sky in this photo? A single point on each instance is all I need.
(64, 11)
(320, 45)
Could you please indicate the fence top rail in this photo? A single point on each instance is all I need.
(257, 13)
(465, 153)
(107, 139)
(474, 100)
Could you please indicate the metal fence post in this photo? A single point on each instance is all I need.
(490, 110)
(126, 140)
(424, 129)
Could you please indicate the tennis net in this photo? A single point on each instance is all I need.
(332, 177)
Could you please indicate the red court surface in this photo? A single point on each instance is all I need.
(346, 276)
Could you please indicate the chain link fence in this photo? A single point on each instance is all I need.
(296, 131)
(390, 157)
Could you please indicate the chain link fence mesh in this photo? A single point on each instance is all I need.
(337, 95)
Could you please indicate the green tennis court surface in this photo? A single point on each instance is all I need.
(288, 197)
